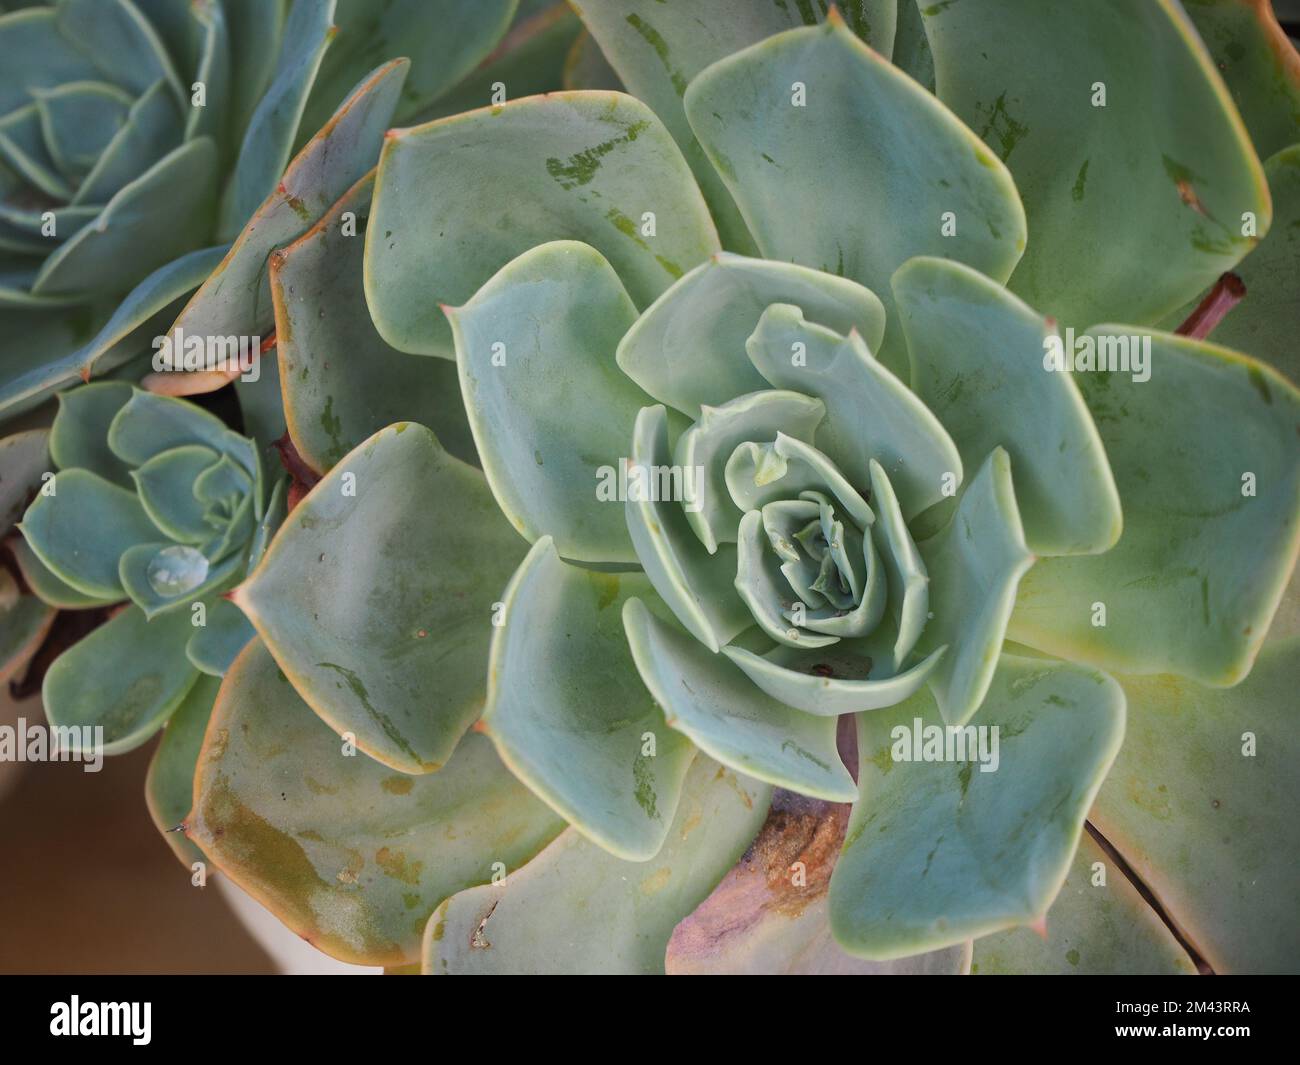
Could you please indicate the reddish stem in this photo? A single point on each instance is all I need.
(304, 477)
(1228, 291)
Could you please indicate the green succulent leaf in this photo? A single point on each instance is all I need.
(339, 381)
(870, 414)
(151, 127)
(37, 55)
(24, 622)
(831, 682)
(1210, 519)
(1202, 801)
(169, 784)
(123, 44)
(1111, 189)
(707, 446)
(149, 425)
(152, 220)
(380, 639)
(941, 851)
(216, 644)
(706, 697)
(577, 909)
(535, 351)
(977, 362)
(82, 529)
(1266, 322)
(658, 48)
(255, 28)
(47, 587)
(1097, 928)
(585, 166)
(531, 59)
(350, 855)
(78, 119)
(445, 40)
(127, 677)
(166, 487)
(698, 587)
(568, 712)
(235, 300)
(213, 70)
(119, 338)
(975, 564)
(784, 155)
(24, 461)
(687, 350)
(1259, 65)
(273, 124)
(911, 45)
(78, 437)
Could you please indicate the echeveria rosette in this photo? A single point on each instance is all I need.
(594, 316)
(154, 509)
(138, 137)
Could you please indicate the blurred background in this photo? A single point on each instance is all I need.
(88, 886)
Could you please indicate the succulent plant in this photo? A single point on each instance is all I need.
(730, 532)
(137, 137)
(157, 505)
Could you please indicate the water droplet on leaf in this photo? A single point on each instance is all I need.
(176, 570)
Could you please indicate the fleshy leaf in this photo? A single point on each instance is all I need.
(1101, 929)
(688, 349)
(47, 587)
(166, 486)
(1211, 525)
(977, 356)
(1111, 189)
(24, 622)
(380, 639)
(1267, 321)
(83, 528)
(271, 129)
(217, 643)
(116, 339)
(568, 712)
(339, 381)
(152, 220)
(707, 445)
(697, 587)
(457, 199)
(942, 851)
(707, 698)
(975, 564)
(445, 43)
(577, 909)
(844, 684)
(235, 300)
(535, 351)
(1258, 64)
(350, 855)
(870, 414)
(79, 435)
(658, 48)
(786, 120)
(126, 677)
(149, 425)
(1202, 802)
(169, 785)
(24, 460)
